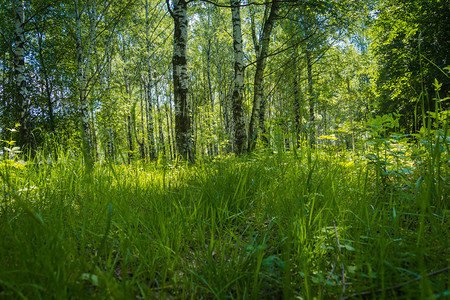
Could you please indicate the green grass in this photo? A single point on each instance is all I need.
(265, 226)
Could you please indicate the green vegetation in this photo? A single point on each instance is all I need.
(306, 223)
(224, 149)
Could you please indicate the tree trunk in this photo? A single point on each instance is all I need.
(83, 65)
(110, 141)
(141, 143)
(149, 105)
(183, 131)
(238, 124)
(262, 120)
(169, 130)
(162, 147)
(26, 140)
(261, 56)
(351, 115)
(297, 107)
(172, 131)
(93, 136)
(213, 146)
(312, 127)
(225, 117)
(130, 139)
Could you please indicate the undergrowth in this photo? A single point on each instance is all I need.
(304, 224)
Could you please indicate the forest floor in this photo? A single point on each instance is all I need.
(303, 224)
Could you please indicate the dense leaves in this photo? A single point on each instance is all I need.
(411, 41)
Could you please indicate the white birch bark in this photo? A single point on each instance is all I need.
(169, 129)
(83, 65)
(149, 105)
(312, 125)
(263, 48)
(130, 138)
(162, 147)
(297, 107)
(26, 140)
(238, 124)
(183, 131)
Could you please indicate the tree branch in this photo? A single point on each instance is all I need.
(230, 6)
(7, 42)
(169, 9)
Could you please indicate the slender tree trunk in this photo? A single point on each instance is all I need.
(106, 86)
(142, 139)
(311, 100)
(149, 105)
(93, 136)
(130, 139)
(324, 121)
(297, 108)
(351, 116)
(110, 139)
(253, 28)
(136, 129)
(225, 114)
(26, 140)
(162, 147)
(353, 134)
(183, 131)
(169, 131)
(213, 146)
(225, 131)
(83, 68)
(259, 75)
(262, 119)
(238, 124)
(172, 131)
(3, 83)
(195, 126)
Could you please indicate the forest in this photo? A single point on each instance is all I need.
(213, 149)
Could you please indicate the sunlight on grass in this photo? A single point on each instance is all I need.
(265, 226)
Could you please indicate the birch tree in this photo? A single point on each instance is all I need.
(239, 131)
(262, 49)
(84, 59)
(149, 102)
(101, 22)
(183, 131)
(311, 97)
(298, 107)
(26, 140)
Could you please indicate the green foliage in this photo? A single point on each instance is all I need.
(412, 38)
(269, 225)
(288, 221)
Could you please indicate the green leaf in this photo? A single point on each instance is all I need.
(437, 85)
(90, 277)
(371, 156)
(273, 261)
(348, 246)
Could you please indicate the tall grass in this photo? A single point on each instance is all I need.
(264, 226)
